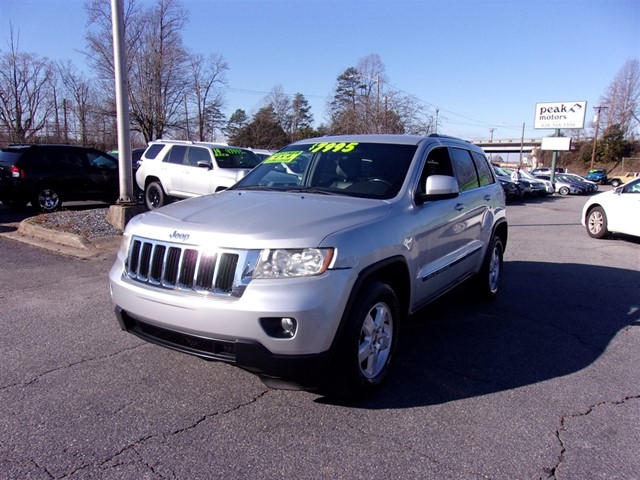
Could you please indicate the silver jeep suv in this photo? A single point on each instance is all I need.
(304, 271)
(181, 169)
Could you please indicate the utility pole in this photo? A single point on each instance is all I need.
(491, 130)
(595, 137)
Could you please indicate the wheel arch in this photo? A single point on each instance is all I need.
(393, 271)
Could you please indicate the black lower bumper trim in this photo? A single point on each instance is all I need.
(306, 371)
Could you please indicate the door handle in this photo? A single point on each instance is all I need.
(459, 207)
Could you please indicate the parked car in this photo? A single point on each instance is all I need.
(545, 171)
(591, 187)
(622, 178)
(173, 169)
(48, 175)
(598, 175)
(615, 211)
(564, 187)
(511, 189)
(547, 186)
(305, 278)
(530, 184)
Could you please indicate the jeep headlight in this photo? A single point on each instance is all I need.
(125, 242)
(302, 262)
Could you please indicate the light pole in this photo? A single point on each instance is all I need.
(595, 137)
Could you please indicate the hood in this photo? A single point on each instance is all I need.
(250, 219)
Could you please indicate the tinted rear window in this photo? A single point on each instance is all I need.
(9, 157)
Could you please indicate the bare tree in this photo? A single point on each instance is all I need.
(207, 76)
(26, 87)
(156, 61)
(622, 100)
(364, 102)
(77, 104)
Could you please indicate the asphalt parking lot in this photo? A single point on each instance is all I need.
(543, 383)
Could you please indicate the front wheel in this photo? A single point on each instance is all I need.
(597, 223)
(564, 191)
(368, 344)
(615, 183)
(154, 196)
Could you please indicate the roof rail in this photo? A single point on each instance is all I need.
(186, 142)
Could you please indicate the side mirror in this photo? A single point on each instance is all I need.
(205, 164)
(438, 187)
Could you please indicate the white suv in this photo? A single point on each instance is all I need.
(304, 271)
(182, 169)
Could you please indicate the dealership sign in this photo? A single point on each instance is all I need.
(560, 115)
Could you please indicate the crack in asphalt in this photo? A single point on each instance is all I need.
(553, 471)
(163, 436)
(70, 365)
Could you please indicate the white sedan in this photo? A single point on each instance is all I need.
(615, 211)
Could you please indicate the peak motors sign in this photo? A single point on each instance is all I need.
(560, 115)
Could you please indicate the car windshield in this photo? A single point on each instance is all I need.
(369, 170)
(235, 158)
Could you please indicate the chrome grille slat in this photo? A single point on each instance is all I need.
(187, 268)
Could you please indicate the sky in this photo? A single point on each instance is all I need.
(483, 64)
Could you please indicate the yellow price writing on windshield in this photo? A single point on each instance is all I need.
(333, 147)
(283, 157)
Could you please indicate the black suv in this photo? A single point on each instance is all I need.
(47, 175)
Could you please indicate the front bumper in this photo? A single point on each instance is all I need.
(232, 329)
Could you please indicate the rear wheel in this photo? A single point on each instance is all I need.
(47, 200)
(368, 344)
(154, 196)
(597, 223)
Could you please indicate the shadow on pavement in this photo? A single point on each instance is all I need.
(535, 331)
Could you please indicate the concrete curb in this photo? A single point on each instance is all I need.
(63, 242)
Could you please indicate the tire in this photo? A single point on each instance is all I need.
(488, 280)
(47, 200)
(597, 223)
(615, 182)
(368, 343)
(154, 196)
(563, 191)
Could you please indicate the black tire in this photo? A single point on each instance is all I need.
(563, 191)
(47, 200)
(597, 223)
(368, 343)
(488, 280)
(154, 196)
(615, 182)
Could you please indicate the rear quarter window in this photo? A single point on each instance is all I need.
(153, 151)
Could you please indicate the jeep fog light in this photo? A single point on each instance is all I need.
(303, 262)
(279, 327)
(288, 326)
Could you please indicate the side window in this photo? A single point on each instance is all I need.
(100, 161)
(197, 154)
(483, 168)
(176, 155)
(438, 163)
(75, 159)
(465, 169)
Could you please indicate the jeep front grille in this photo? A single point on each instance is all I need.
(225, 272)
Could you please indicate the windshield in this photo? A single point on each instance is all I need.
(369, 170)
(235, 158)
